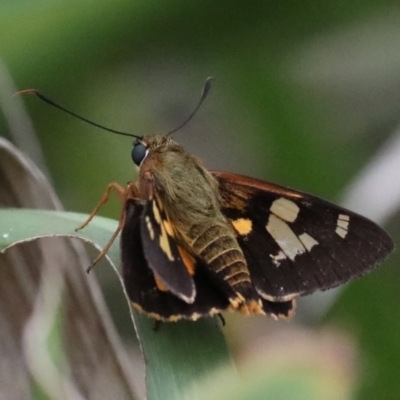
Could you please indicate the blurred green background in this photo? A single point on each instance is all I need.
(305, 94)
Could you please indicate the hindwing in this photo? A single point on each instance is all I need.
(147, 295)
(141, 285)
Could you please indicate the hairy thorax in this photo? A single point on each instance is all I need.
(189, 194)
(187, 191)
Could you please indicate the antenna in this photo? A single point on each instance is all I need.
(44, 98)
(41, 96)
(204, 93)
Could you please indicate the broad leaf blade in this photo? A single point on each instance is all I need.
(179, 354)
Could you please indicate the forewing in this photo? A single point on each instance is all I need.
(162, 254)
(296, 243)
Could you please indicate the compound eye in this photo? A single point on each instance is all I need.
(139, 153)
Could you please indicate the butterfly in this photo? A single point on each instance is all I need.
(196, 243)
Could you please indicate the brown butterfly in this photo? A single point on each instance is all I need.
(195, 243)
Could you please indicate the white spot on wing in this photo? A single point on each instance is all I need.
(284, 237)
(342, 225)
(287, 297)
(308, 241)
(341, 232)
(285, 209)
(276, 259)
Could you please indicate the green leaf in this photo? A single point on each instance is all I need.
(179, 354)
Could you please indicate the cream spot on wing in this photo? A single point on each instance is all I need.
(284, 237)
(168, 228)
(163, 240)
(285, 209)
(213, 311)
(195, 316)
(344, 217)
(341, 232)
(164, 243)
(156, 212)
(237, 301)
(277, 258)
(242, 225)
(286, 297)
(308, 241)
(149, 228)
(343, 221)
(342, 225)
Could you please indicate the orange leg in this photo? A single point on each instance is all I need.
(121, 224)
(123, 193)
(119, 190)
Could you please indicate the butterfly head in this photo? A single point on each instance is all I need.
(144, 146)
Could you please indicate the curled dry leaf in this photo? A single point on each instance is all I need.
(36, 282)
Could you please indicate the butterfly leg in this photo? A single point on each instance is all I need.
(119, 190)
(123, 193)
(121, 224)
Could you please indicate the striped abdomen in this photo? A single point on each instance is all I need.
(217, 246)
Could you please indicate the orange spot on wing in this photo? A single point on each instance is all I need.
(168, 228)
(188, 260)
(252, 307)
(160, 285)
(243, 226)
(246, 307)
